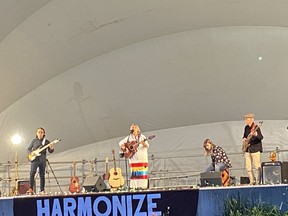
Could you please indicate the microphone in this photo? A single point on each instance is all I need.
(131, 131)
(121, 154)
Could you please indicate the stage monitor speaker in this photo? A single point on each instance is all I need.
(244, 180)
(210, 179)
(94, 184)
(274, 172)
(23, 186)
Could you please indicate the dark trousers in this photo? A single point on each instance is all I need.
(41, 163)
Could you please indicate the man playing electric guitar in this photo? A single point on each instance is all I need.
(253, 135)
(139, 160)
(39, 161)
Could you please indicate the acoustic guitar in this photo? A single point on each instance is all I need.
(131, 147)
(36, 152)
(246, 143)
(74, 186)
(116, 179)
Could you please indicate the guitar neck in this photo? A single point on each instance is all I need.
(44, 147)
(48, 145)
(114, 160)
(106, 165)
(74, 168)
(114, 163)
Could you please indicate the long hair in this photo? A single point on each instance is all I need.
(135, 126)
(41, 128)
(205, 146)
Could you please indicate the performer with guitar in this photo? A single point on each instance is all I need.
(138, 161)
(39, 161)
(252, 145)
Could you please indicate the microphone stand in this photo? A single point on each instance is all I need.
(47, 172)
(54, 176)
(126, 167)
(126, 164)
(277, 152)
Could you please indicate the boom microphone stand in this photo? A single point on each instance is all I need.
(47, 172)
(54, 176)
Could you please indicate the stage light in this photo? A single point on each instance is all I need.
(16, 139)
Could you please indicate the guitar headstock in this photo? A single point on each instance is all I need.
(56, 141)
(151, 137)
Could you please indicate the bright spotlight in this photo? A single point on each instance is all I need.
(16, 139)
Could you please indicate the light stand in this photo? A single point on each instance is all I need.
(16, 140)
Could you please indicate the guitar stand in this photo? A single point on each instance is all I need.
(54, 176)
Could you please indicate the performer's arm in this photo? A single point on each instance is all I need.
(29, 149)
(51, 147)
(257, 135)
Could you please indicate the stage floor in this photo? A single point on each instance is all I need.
(173, 201)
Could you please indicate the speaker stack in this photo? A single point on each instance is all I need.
(274, 172)
(94, 184)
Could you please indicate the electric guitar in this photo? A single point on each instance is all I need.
(74, 186)
(116, 179)
(36, 152)
(246, 143)
(131, 147)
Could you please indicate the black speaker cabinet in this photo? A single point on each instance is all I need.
(23, 186)
(94, 184)
(274, 172)
(244, 180)
(210, 179)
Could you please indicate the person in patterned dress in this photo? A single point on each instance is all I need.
(139, 161)
(219, 158)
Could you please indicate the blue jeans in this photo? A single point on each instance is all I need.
(219, 167)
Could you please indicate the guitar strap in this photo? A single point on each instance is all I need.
(128, 138)
(137, 138)
(253, 128)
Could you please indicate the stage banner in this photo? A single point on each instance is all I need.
(154, 203)
(6, 206)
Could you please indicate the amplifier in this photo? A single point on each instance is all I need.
(274, 172)
(23, 186)
(210, 179)
(94, 184)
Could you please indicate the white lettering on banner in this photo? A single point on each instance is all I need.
(83, 206)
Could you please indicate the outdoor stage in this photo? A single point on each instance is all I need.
(174, 202)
